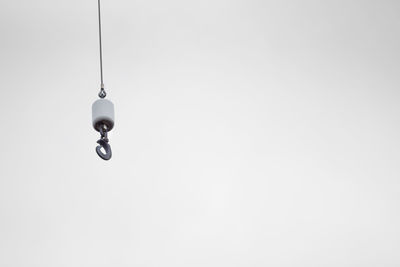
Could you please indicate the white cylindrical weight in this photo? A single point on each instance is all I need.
(103, 114)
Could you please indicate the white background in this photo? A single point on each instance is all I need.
(248, 133)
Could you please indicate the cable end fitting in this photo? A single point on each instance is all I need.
(102, 93)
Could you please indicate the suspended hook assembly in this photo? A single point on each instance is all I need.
(102, 109)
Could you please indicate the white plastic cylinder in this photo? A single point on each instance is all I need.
(103, 114)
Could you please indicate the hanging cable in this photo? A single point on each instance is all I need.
(102, 93)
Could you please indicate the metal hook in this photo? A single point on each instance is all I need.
(103, 143)
(107, 148)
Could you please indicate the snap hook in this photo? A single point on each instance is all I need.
(107, 148)
(103, 143)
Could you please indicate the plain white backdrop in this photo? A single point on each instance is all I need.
(248, 133)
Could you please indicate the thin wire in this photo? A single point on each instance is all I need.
(101, 48)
